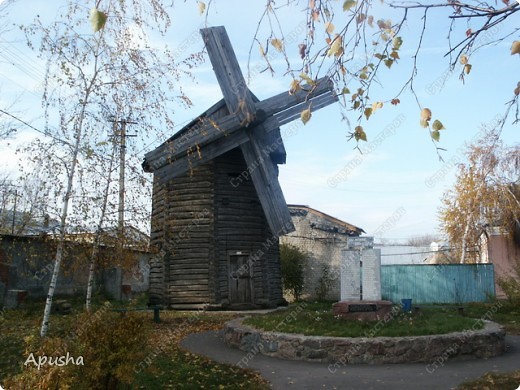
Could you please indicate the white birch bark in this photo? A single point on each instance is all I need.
(61, 241)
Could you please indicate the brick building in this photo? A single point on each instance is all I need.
(321, 237)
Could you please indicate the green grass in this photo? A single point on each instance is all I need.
(505, 313)
(316, 319)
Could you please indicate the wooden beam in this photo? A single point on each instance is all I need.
(208, 131)
(232, 83)
(206, 153)
(317, 103)
(265, 180)
(283, 101)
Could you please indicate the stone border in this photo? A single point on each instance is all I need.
(484, 343)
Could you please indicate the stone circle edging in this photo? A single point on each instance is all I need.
(483, 343)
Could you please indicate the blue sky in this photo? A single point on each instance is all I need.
(394, 189)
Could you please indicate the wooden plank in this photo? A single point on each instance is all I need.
(208, 132)
(283, 101)
(266, 184)
(317, 103)
(229, 76)
(208, 152)
(196, 126)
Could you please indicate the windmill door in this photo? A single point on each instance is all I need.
(239, 279)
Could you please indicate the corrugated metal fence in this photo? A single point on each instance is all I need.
(438, 283)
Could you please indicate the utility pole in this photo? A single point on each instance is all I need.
(122, 156)
(14, 210)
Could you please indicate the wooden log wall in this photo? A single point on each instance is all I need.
(201, 218)
(157, 277)
(182, 225)
(241, 226)
(189, 237)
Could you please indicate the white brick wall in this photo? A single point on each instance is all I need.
(322, 248)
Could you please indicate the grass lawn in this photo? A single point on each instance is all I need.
(505, 313)
(316, 319)
(168, 365)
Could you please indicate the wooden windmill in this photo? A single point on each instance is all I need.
(218, 207)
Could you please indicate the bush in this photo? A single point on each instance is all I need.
(511, 284)
(324, 283)
(511, 287)
(292, 264)
(110, 346)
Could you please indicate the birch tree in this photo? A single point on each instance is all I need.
(95, 65)
(486, 193)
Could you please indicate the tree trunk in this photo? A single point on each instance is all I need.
(63, 221)
(464, 243)
(61, 242)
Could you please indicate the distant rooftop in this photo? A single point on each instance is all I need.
(334, 224)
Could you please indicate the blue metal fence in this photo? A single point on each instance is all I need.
(438, 283)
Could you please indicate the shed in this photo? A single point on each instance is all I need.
(218, 209)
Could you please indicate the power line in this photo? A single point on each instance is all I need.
(22, 64)
(35, 129)
(47, 134)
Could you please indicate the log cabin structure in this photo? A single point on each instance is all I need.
(218, 208)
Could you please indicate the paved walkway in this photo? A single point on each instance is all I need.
(287, 374)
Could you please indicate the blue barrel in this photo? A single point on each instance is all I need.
(407, 304)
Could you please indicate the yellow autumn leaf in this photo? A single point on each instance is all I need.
(278, 44)
(437, 125)
(305, 115)
(307, 79)
(397, 42)
(376, 106)
(436, 135)
(202, 7)
(463, 59)
(295, 87)
(467, 68)
(359, 134)
(335, 48)
(368, 112)
(515, 48)
(348, 4)
(329, 27)
(97, 19)
(426, 114)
